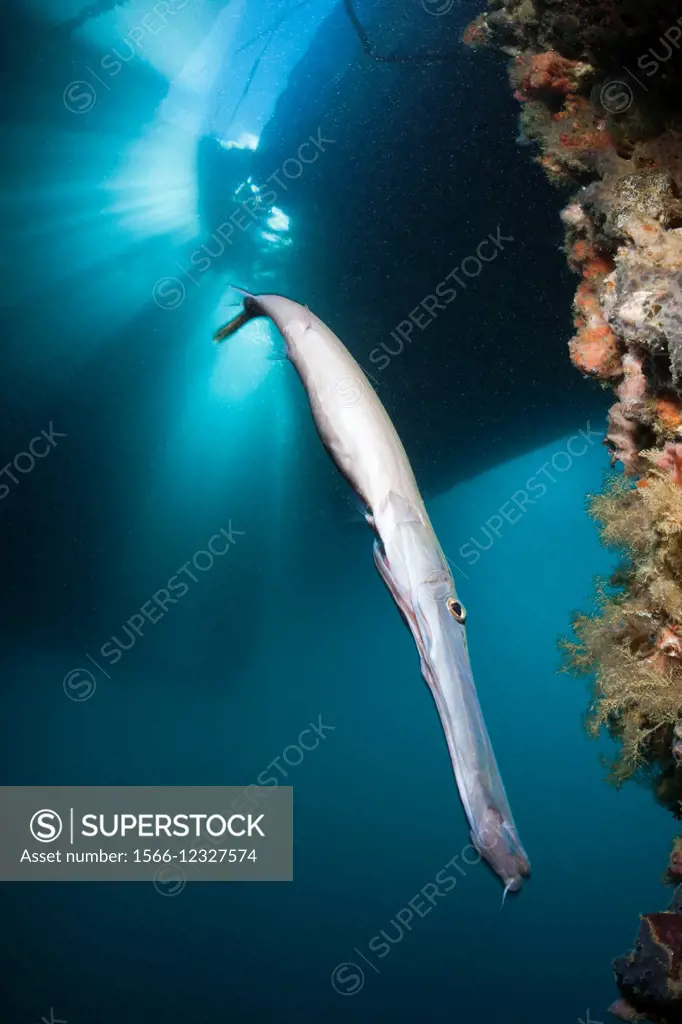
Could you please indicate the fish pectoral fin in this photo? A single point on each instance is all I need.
(404, 608)
(359, 512)
(387, 576)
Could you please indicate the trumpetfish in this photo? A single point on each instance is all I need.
(362, 441)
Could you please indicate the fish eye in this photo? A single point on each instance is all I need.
(457, 610)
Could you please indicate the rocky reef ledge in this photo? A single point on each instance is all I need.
(650, 976)
(599, 84)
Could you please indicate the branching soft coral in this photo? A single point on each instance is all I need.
(637, 692)
(633, 643)
(645, 522)
(662, 500)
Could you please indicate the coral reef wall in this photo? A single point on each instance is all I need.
(599, 84)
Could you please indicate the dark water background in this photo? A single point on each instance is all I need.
(167, 441)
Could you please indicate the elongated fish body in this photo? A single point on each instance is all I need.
(361, 439)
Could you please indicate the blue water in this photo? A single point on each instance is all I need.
(376, 809)
(167, 441)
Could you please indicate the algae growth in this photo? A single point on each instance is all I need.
(600, 88)
(633, 643)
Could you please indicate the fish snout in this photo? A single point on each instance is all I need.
(499, 845)
(515, 881)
